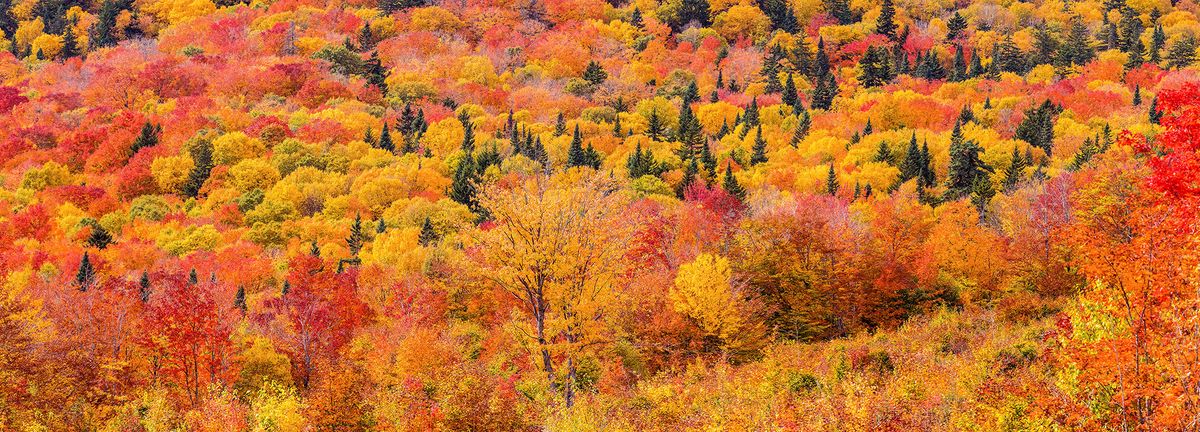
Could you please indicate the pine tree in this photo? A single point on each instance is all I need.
(759, 149)
(1038, 126)
(366, 40)
(314, 249)
(781, 15)
(287, 287)
(575, 154)
(956, 27)
(239, 299)
(821, 64)
(876, 67)
(193, 278)
(560, 125)
(1155, 115)
(824, 93)
(965, 165)
(928, 176)
(1157, 42)
(201, 169)
(617, 131)
(635, 18)
(144, 288)
(86, 276)
(750, 117)
(380, 226)
(913, 164)
(1137, 95)
(802, 127)
(981, 195)
(691, 11)
(831, 182)
(428, 235)
(102, 34)
(883, 154)
(70, 46)
(1182, 53)
(462, 186)
(355, 241)
(147, 138)
(959, 73)
(731, 184)
(689, 178)
(1077, 50)
(385, 139)
(840, 10)
(99, 238)
(376, 73)
(886, 23)
(594, 73)
(654, 125)
(1015, 171)
(790, 97)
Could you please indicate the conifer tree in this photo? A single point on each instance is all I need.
(144, 288)
(731, 184)
(385, 139)
(760, 148)
(913, 164)
(1015, 171)
(147, 138)
(560, 125)
(885, 24)
(802, 127)
(462, 185)
(239, 299)
(376, 73)
(956, 27)
(575, 154)
(355, 241)
(831, 181)
(85, 277)
(201, 169)
(790, 97)
(654, 126)
(428, 235)
(965, 165)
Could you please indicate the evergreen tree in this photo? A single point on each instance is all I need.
(831, 181)
(789, 91)
(239, 299)
(201, 169)
(70, 47)
(1155, 114)
(314, 249)
(463, 185)
(147, 138)
(840, 10)
(824, 93)
(913, 164)
(1038, 126)
(965, 165)
(885, 24)
(876, 70)
(781, 15)
(750, 117)
(691, 11)
(689, 178)
(1015, 171)
(99, 238)
(981, 195)
(144, 288)
(428, 235)
(635, 18)
(1084, 155)
(709, 161)
(928, 176)
(575, 154)
(560, 125)
(691, 94)
(731, 184)
(1077, 50)
(380, 226)
(86, 276)
(883, 154)
(930, 67)
(355, 241)
(759, 149)
(976, 70)
(802, 127)
(956, 27)
(287, 287)
(654, 126)
(366, 40)
(959, 73)
(385, 139)
(376, 74)
(1182, 53)
(1137, 95)
(468, 140)
(1157, 42)
(594, 73)
(821, 64)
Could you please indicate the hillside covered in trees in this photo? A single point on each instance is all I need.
(584, 215)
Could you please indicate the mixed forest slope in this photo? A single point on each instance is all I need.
(599, 215)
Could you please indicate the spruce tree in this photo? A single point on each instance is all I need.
(781, 15)
(1015, 171)
(147, 138)
(462, 185)
(750, 117)
(594, 73)
(239, 299)
(956, 27)
(802, 127)
(428, 235)
(691, 11)
(99, 238)
(1182, 53)
(201, 169)
(965, 165)
(380, 226)
(731, 184)
(831, 181)
(760, 148)
(654, 125)
(575, 154)
(790, 97)
(376, 74)
(560, 125)
(912, 165)
(86, 276)
(355, 241)
(144, 288)
(885, 24)
(385, 139)
(981, 195)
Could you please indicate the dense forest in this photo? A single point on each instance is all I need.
(584, 215)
